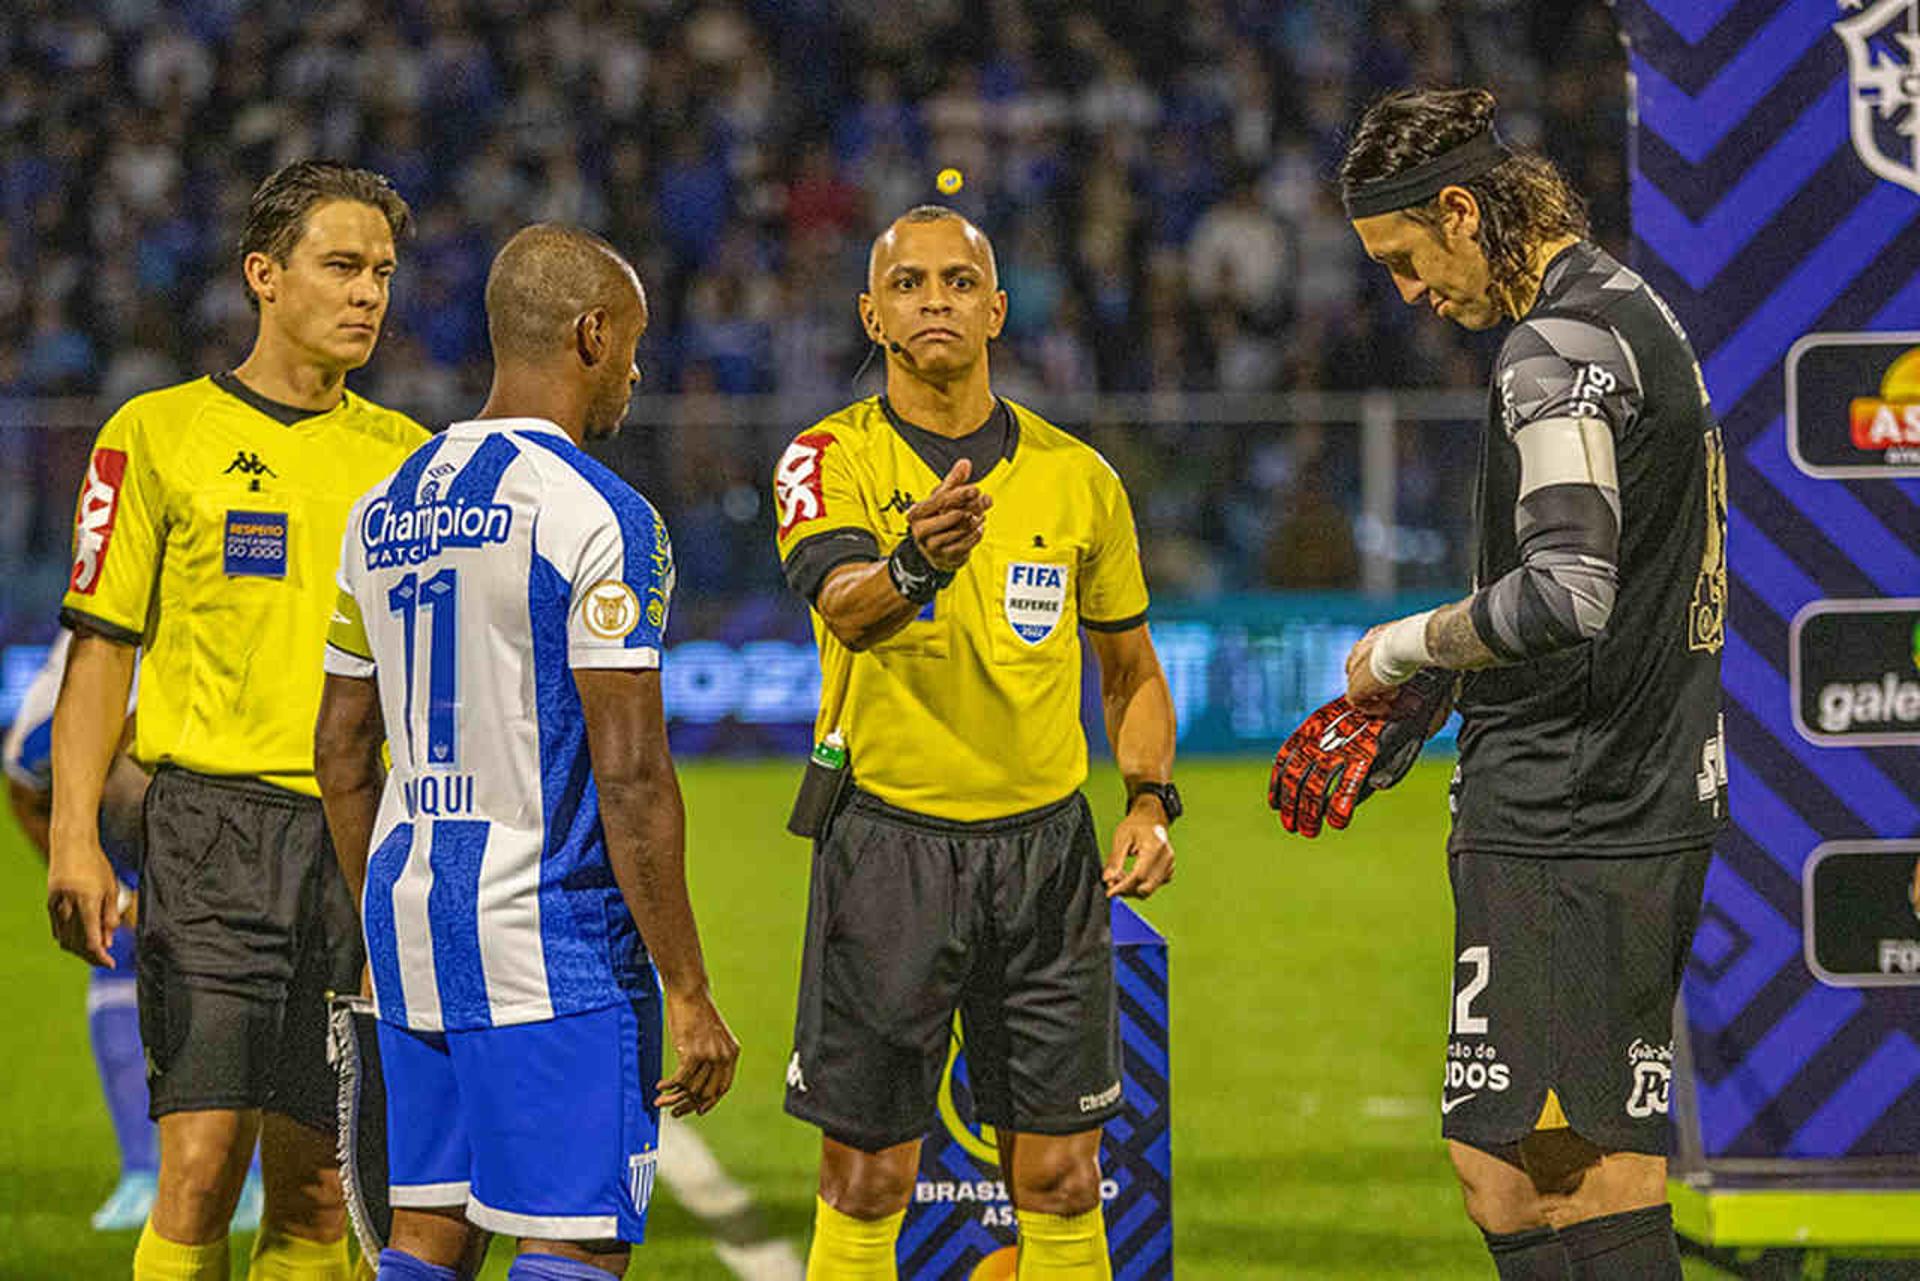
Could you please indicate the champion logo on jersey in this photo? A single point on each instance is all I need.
(1035, 599)
(93, 522)
(396, 535)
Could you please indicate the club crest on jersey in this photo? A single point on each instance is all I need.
(1883, 71)
(407, 535)
(640, 1171)
(1036, 596)
(797, 481)
(611, 610)
(93, 522)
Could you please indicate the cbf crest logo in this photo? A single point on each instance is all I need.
(1035, 598)
(1883, 66)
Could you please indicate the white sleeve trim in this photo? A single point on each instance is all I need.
(643, 657)
(340, 663)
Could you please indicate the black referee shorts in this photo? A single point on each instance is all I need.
(911, 918)
(245, 926)
(1565, 974)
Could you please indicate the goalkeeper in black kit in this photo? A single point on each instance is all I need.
(1592, 776)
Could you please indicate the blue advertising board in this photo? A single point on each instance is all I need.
(1775, 160)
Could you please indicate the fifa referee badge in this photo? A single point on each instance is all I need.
(949, 181)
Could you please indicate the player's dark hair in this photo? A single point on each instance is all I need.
(1524, 201)
(277, 214)
(543, 280)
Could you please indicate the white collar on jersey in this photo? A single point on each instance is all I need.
(487, 426)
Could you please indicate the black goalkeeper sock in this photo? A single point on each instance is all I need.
(1533, 1255)
(1636, 1246)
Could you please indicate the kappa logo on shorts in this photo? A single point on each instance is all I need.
(797, 480)
(1035, 599)
(93, 522)
(611, 610)
(795, 1080)
(1652, 1079)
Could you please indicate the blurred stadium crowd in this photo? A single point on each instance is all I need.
(1155, 175)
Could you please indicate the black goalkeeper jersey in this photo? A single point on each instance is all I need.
(1614, 746)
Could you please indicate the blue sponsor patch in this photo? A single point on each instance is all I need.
(256, 544)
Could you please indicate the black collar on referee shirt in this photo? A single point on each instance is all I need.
(984, 446)
(285, 414)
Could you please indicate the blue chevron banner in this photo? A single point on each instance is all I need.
(960, 1225)
(1775, 162)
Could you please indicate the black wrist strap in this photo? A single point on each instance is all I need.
(914, 576)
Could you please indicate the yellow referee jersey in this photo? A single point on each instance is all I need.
(972, 710)
(208, 532)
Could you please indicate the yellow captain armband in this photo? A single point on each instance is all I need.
(346, 631)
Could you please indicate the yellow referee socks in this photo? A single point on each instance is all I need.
(158, 1259)
(850, 1249)
(1072, 1247)
(280, 1256)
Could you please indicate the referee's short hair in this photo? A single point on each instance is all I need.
(277, 214)
(937, 213)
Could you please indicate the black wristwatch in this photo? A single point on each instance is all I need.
(1168, 794)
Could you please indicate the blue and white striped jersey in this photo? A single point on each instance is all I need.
(498, 558)
(28, 751)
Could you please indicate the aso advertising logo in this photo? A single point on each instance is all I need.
(1853, 405)
(1855, 672)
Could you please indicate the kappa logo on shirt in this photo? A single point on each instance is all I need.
(93, 521)
(797, 480)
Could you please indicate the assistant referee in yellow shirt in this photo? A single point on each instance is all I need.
(208, 534)
(952, 545)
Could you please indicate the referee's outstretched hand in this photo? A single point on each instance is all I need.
(705, 1052)
(948, 523)
(83, 902)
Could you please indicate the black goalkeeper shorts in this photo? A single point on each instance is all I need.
(911, 918)
(1565, 974)
(245, 925)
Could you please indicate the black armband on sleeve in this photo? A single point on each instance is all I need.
(76, 621)
(813, 558)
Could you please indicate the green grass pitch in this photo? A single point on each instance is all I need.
(1310, 989)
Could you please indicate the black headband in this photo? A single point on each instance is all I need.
(1475, 156)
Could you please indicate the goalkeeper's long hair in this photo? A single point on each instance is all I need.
(1524, 201)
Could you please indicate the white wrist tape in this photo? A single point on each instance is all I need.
(1401, 650)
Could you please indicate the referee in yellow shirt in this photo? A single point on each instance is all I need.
(952, 545)
(207, 534)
